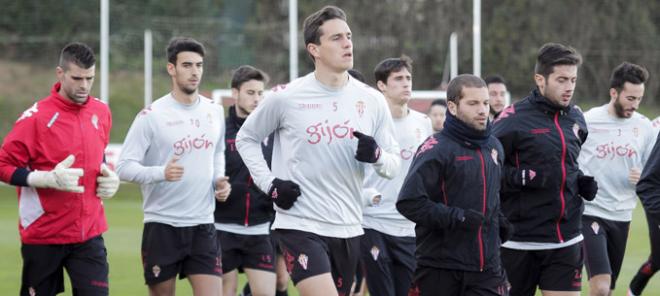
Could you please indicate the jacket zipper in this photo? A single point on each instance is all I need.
(563, 177)
(82, 199)
(247, 202)
(483, 211)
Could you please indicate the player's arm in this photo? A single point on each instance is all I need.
(130, 166)
(415, 204)
(387, 162)
(221, 183)
(648, 187)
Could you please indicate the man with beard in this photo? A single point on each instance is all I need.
(620, 141)
(175, 151)
(543, 187)
(497, 92)
(452, 193)
(328, 128)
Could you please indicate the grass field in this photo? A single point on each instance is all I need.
(123, 242)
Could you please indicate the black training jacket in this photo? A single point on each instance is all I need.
(648, 187)
(446, 178)
(246, 204)
(545, 138)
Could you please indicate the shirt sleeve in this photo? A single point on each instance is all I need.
(219, 156)
(261, 123)
(388, 163)
(648, 187)
(504, 131)
(421, 183)
(16, 151)
(130, 166)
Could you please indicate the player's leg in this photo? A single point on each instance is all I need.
(230, 244)
(561, 273)
(429, 281)
(87, 265)
(617, 238)
(523, 270)
(308, 261)
(344, 254)
(203, 265)
(42, 269)
(162, 257)
(229, 281)
(259, 264)
(377, 262)
(596, 255)
(402, 252)
(651, 266)
(282, 275)
(486, 283)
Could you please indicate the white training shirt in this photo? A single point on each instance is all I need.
(315, 148)
(410, 132)
(193, 133)
(613, 147)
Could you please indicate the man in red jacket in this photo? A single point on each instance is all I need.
(54, 154)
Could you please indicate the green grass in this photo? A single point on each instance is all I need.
(123, 242)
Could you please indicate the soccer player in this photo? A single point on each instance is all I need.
(497, 92)
(328, 128)
(543, 186)
(437, 112)
(54, 155)
(243, 220)
(175, 150)
(452, 193)
(619, 143)
(388, 244)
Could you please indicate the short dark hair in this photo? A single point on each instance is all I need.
(387, 66)
(628, 72)
(438, 102)
(357, 75)
(77, 53)
(495, 79)
(181, 44)
(312, 24)
(246, 73)
(555, 54)
(456, 85)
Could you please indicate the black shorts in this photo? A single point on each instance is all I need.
(437, 281)
(246, 251)
(168, 251)
(389, 262)
(307, 254)
(552, 270)
(86, 263)
(654, 238)
(604, 246)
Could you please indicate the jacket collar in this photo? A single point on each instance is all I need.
(64, 102)
(544, 104)
(233, 117)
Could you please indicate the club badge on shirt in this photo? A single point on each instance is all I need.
(302, 259)
(595, 227)
(360, 106)
(375, 252)
(95, 121)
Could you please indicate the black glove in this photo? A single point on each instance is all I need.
(587, 187)
(506, 229)
(471, 220)
(284, 193)
(367, 150)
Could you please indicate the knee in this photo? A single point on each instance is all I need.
(600, 288)
(282, 282)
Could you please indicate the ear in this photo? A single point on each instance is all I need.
(59, 72)
(313, 50)
(452, 107)
(381, 86)
(171, 69)
(234, 94)
(539, 80)
(613, 94)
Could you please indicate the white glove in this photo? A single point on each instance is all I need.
(62, 177)
(108, 183)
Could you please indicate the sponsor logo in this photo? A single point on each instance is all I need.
(310, 106)
(407, 153)
(174, 123)
(302, 260)
(29, 112)
(189, 144)
(538, 131)
(325, 130)
(611, 150)
(464, 158)
(427, 145)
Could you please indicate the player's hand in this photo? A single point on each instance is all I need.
(284, 193)
(634, 175)
(367, 150)
(173, 170)
(107, 183)
(222, 189)
(471, 220)
(62, 177)
(587, 187)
